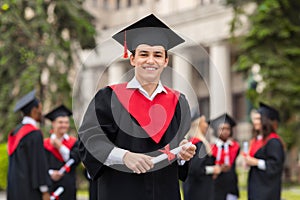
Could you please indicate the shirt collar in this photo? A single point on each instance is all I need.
(219, 142)
(65, 136)
(29, 120)
(135, 84)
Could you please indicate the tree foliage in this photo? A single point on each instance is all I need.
(273, 43)
(37, 40)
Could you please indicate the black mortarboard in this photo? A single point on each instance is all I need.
(60, 111)
(268, 111)
(149, 30)
(224, 118)
(27, 102)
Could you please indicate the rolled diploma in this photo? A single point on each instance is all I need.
(164, 156)
(56, 193)
(68, 164)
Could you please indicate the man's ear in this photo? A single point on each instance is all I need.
(132, 61)
(166, 62)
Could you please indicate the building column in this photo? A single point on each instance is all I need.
(115, 73)
(182, 79)
(220, 83)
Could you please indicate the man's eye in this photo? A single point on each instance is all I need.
(143, 54)
(158, 55)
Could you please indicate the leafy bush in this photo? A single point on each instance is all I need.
(3, 166)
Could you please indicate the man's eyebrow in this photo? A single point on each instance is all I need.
(143, 51)
(155, 51)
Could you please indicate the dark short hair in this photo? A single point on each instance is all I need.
(34, 104)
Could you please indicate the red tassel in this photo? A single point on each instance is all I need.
(125, 55)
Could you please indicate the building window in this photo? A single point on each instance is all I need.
(239, 107)
(204, 106)
(129, 3)
(118, 4)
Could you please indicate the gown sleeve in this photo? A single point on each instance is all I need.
(94, 143)
(38, 162)
(186, 116)
(274, 157)
(74, 154)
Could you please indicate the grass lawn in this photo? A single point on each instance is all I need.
(288, 192)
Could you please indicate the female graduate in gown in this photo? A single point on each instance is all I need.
(128, 124)
(225, 151)
(266, 156)
(61, 148)
(199, 183)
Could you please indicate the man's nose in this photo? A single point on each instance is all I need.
(150, 59)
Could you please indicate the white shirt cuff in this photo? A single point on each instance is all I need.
(261, 164)
(50, 171)
(115, 157)
(209, 169)
(180, 162)
(44, 188)
(64, 152)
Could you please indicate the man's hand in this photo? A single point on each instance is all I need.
(46, 196)
(56, 143)
(138, 163)
(186, 153)
(56, 176)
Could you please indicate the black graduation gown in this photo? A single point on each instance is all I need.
(266, 184)
(68, 181)
(93, 185)
(227, 182)
(28, 168)
(117, 181)
(198, 184)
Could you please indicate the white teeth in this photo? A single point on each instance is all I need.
(150, 68)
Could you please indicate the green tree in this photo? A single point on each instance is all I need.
(272, 42)
(37, 41)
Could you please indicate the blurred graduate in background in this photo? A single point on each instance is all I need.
(62, 153)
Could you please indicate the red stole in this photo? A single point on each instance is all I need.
(256, 144)
(195, 140)
(14, 140)
(153, 116)
(68, 143)
(233, 149)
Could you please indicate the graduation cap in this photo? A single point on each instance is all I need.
(60, 111)
(149, 30)
(268, 111)
(27, 102)
(224, 118)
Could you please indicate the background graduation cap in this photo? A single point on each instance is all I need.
(60, 111)
(268, 111)
(224, 118)
(149, 30)
(27, 102)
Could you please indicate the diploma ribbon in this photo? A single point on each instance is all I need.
(167, 151)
